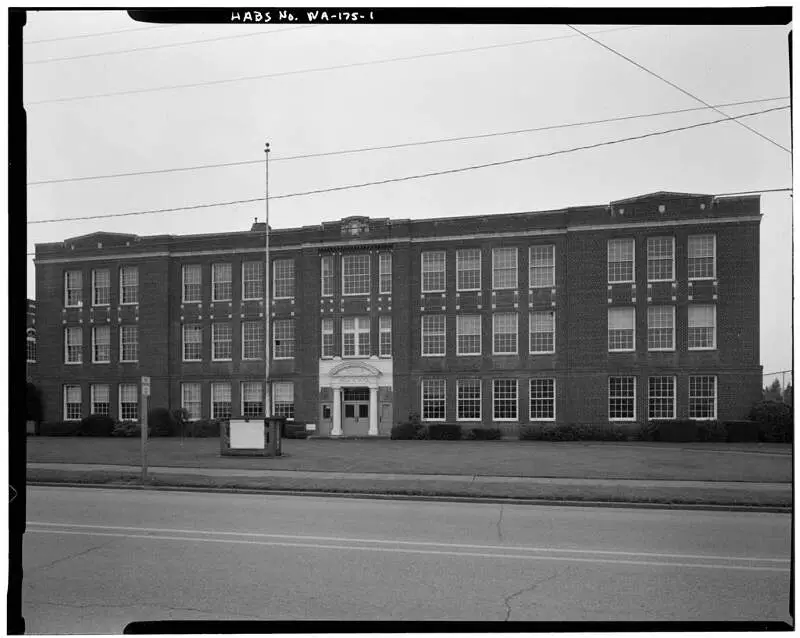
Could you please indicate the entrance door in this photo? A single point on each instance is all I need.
(355, 421)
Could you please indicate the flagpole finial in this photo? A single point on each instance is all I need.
(266, 147)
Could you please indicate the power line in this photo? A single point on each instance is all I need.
(170, 45)
(675, 86)
(265, 76)
(408, 177)
(392, 146)
(101, 33)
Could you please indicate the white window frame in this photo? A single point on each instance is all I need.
(650, 258)
(284, 278)
(460, 270)
(184, 342)
(480, 400)
(328, 278)
(502, 250)
(122, 358)
(428, 334)
(439, 381)
(199, 387)
(274, 335)
(714, 256)
(531, 398)
(632, 310)
(221, 384)
(221, 282)
(494, 400)
(716, 397)
(95, 271)
(327, 330)
(384, 327)
(258, 280)
(689, 327)
(246, 341)
(427, 255)
(30, 345)
(73, 330)
(361, 325)
(671, 348)
(137, 402)
(620, 240)
(123, 286)
(275, 410)
(650, 398)
(608, 392)
(93, 398)
(532, 265)
(67, 289)
(385, 272)
(185, 269)
(94, 343)
(495, 315)
(552, 314)
(215, 340)
(65, 404)
(242, 401)
(459, 334)
(355, 256)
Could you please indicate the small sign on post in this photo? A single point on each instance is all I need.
(143, 403)
(145, 386)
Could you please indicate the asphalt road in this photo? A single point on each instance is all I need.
(96, 559)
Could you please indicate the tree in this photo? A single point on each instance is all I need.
(788, 395)
(773, 392)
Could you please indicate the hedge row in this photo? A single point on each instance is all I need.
(443, 432)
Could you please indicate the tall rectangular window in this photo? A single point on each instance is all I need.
(385, 272)
(355, 274)
(660, 258)
(192, 342)
(355, 337)
(702, 256)
(702, 327)
(101, 287)
(385, 330)
(661, 327)
(620, 261)
(101, 399)
(252, 280)
(73, 344)
(505, 399)
(326, 275)
(504, 333)
(434, 394)
(621, 329)
(433, 271)
(129, 284)
(468, 269)
(543, 400)
(221, 282)
(283, 399)
(283, 339)
(191, 400)
(542, 327)
(468, 400)
(128, 343)
(661, 398)
(221, 341)
(504, 268)
(434, 342)
(252, 399)
(192, 283)
(252, 340)
(101, 344)
(622, 398)
(72, 403)
(73, 288)
(327, 339)
(128, 402)
(468, 334)
(221, 401)
(283, 278)
(30, 350)
(703, 397)
(542, 266)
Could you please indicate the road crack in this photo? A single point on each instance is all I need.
(499, 523)
(507, 600)
(71, 556)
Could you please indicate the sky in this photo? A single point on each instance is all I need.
(512, 77)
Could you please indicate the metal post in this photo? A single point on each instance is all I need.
(267, 306)
(144, 438)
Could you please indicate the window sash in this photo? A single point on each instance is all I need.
(434, 335)
(504, 268)
(542, 396)
(542, 329)
(355, 274)
(128, 343)
(702, 328)
(252, 280)
(621, 261)
(621, 329)
(101, 287)
(30, 351)
(702, 250)
(703, 397)
(73, 403)
(129, 285)
(385, 335)
(468, 269)
(283, 278)
(221, 341)
(661, 397)
(505, 333)
(434, 399)
(468, 400)
(73, 344)
(192, 342)
(505, 400)
(101, 399)
(283, 339)
(434, 270)
(252, 340)
(192, 400)
(128, 402)
(385, 273)
(283, 399)
(327, 350)
(468, 335)
(661, 328)
(542, 266)
(192, 283)
(252, 399)
(355, 336)
(73, 288)
(660, 259)
(622, 398)
(326, 275)
(101, 344)
(221, 407)
(221, 282)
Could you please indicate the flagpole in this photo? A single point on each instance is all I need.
(267, 306)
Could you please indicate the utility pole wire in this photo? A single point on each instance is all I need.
(675, 86)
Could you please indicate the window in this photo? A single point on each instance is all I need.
(220, 400)
(468, 334)
(129, 343)
(622, 398)
(703, 397)
(73, 288)
(620, 261)
(101, 287)
(327, 338)
(355, 274)
(283, 399)
(504, 268)
(129, 284)
(252, 399)
(702, 256)
(433, 271)
(283, 278)
(468, 400)
(543, 400)
(253, 280)
(504, 399)
(128, 402)
(661, 398)
(326, 275)
(191, 400)
(221, 282)
(30, 350)
(504, 333)
(433, 336)
(434, 393)
(621, 329)
(385, 273)
(702, 327)
(355, 336)
(283, 339)
(542, 328)
(192, 283)
(660, 258)
(221, 342)
(101, 344)
(385, 326)
(101, 399)
(252, 340)
(72, 403)
(192, 342)
(468, 269)
(542, 266)
(661, 328)
(73, 344)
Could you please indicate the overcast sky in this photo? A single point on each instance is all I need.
(535, 84)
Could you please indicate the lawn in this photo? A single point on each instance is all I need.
(770, 463)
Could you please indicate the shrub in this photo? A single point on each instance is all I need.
(33, 403)
(294, 430)
(713, 431)
(742, 431)
(161, 422)
(775, 421)
(444, 432)
(573, 432)
(677, 431)
(129, 429)
(484, 434)
(96, 425)
(408, 431)
(203, 428)
(59, 428)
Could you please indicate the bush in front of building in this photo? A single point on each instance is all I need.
(406, 431)
(742, 431)
(59, 428)
(675, 431)
(576, 432)
(202, 428)
(294, 430)
(161, 422)
(129, 429)
(96, 425)
(775, 420)
(484, 434)
(444, 432)
(712, 431)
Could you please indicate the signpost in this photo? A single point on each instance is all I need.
(145, 400)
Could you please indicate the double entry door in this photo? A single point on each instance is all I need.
(355, 411)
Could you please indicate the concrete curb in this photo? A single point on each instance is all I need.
(777, 509)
